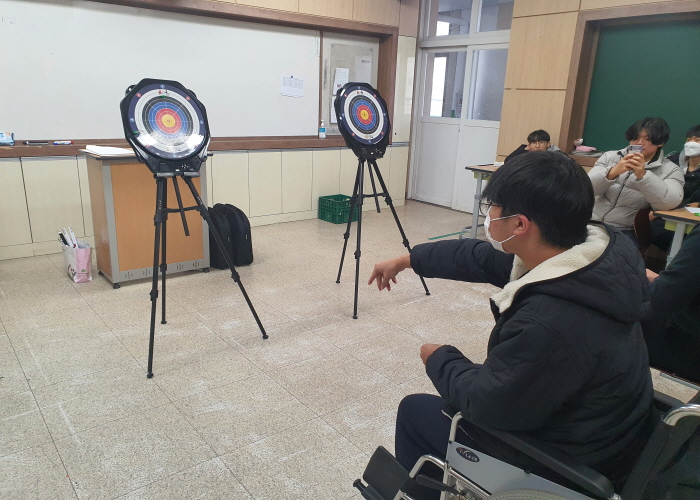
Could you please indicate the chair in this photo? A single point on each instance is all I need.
(473, 475)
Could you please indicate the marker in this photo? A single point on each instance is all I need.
(35, 143)
(62, 143)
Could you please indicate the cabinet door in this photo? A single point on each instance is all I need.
(52, 186)
(297, 177)
(326, 175)
(229, 173)
(265, 174)
(14, 220)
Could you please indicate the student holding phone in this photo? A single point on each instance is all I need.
(636, 177)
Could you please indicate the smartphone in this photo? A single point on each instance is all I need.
(634, 148)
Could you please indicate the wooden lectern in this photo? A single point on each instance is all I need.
(123, 197)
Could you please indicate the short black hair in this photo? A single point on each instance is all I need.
(537, 136)
(656, 128)
(548, 188)
(693, 132)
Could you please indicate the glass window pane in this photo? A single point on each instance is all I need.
(446, 76)
(449, 17)
(496, 15)
(487, 83)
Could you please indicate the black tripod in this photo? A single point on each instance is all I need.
(160, 219)
(357, 200)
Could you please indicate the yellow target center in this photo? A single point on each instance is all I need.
(168, 121)
(364, 114)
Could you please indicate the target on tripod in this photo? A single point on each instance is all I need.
(363, 119)
(165, 121)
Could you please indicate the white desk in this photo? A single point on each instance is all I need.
(479, 170)
(683, 219)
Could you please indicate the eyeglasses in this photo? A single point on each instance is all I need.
(484, 207)
(539, 143)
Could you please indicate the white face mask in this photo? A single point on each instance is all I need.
(692, 149)
(498, 245)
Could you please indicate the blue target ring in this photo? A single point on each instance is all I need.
(367, 122)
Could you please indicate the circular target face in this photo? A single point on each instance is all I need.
(363, 114)
(166, 121)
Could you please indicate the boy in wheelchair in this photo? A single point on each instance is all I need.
(567, 366)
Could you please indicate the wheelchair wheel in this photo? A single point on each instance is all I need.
(526, 495)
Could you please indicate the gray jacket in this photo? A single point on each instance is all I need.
(618, 201)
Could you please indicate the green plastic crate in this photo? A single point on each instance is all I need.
(335, 209)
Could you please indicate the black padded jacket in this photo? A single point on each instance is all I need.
(566, 363)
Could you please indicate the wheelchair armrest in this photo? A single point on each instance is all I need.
(555, 460)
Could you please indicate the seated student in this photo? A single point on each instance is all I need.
(625, 182)
(689, 162)
(536, 141)
(566, 361)
(671, 321)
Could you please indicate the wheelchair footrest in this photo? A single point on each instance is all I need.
(384, 476)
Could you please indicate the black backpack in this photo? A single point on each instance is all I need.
(234, 228)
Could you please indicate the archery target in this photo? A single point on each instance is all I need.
(166, 121)
(363, 115)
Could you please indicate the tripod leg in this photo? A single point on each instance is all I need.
(353, 201)
(164, 264)
(360, 198)
(387, 197)
(374, 188)
(157, 220)
(179, 205)
(234, 274)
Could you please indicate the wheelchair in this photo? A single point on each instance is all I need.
(473, 475)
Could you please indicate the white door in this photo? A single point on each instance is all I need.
(478, 135)
(461, 79)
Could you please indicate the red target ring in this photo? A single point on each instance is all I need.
(168, 121)
(364, 114)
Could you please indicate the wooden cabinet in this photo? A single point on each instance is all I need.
(123, 201)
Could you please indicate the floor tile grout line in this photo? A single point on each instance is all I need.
(46, 426)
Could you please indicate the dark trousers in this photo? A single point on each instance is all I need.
(422, 429)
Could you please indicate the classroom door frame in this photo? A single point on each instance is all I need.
(437, 44)
(588, 28)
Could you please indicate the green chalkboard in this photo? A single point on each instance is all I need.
(644, 70)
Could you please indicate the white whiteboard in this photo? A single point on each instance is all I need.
(64, 67)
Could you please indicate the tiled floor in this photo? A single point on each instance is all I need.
(227, 415)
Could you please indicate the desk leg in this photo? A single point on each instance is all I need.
(477, 199)
(677, 241)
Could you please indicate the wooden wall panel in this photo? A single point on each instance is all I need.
(377, 11)
(540, 51)
(524, 8)
(538, 7)
(408, 18)
(603, 4)
(528, 110)
(341, 9)
(288, 5)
